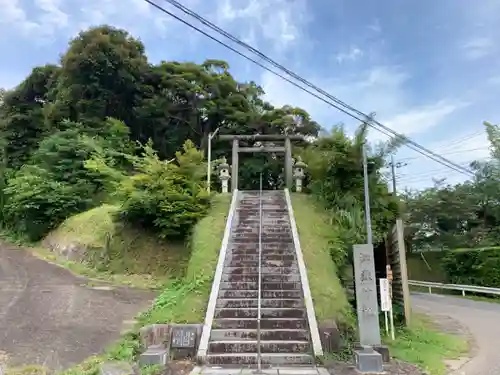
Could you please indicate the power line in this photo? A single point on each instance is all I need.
(425, 176)
(449, 153)
(438, 169)
(344, 108)
(466, 138)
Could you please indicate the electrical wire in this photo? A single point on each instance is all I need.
(448, 153)
(341, 106)
(212, 26)
(466, 138)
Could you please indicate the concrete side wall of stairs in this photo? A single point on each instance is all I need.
(231, 336)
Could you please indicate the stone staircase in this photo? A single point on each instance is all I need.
(285, 337)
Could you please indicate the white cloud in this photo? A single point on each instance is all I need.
(379, 89)
(375, 26)
(495, 80)
(278, 22)
(477, 48)
(352, 55)
(420, 120)
(12, 15)
(43, 20)
(52, 16)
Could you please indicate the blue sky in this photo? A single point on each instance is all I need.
(429, 69)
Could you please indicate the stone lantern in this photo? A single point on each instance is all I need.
(224, 175)
(299, 173)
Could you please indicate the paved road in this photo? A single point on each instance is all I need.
(482, 319)
(50, 317)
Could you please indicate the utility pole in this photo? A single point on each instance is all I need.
(367, 198)
(209, 158)
(393, 171)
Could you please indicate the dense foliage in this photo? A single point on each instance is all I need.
(105, 125)
(464, 216)
(335, 169)
(473, 267)
(166, 196)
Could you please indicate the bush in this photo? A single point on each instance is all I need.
(37, 203)
(473, 267)
(168, 196)
(57, 184)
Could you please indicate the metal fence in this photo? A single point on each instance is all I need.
(457, 287)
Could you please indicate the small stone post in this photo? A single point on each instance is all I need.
(224, 175)
(299, 174)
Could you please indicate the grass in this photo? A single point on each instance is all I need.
(425, 346)
(104, 244)
(317, 240)
(183, 300)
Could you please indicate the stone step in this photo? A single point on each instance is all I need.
(265, 257)
(265, 278)
(266, 238)
(228, 285)
(281, 313)
(264, 263)
(253, 238)
(254, 205)
(250, 359)
(268, 230)
(264, 303)
(264, 253)
(279, 346)
(232, 246)
(283, 221)
(254, 250)
(251, 323)
(263, 270)
(238, 294)
(265, 334)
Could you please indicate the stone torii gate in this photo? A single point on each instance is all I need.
(287, 149)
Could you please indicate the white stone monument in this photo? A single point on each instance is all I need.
(224, 175)
(299, 173)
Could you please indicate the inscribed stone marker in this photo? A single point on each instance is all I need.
(366, 295)
(183, 337)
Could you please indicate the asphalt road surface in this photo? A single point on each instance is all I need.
(482, 320)
(52, 318)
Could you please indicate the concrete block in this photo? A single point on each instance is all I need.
(330, 336)
(154, 355)
(116, 368)
(154, 334)
(384, 352)
(368, 361)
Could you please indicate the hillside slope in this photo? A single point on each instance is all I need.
(97, 240)
(318, 239)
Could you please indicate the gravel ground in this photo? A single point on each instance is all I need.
(50, 317)
(392, 368)
(481, 321)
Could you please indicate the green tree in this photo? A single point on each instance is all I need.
(22, 124)
(101, 75)
(166, 196)
(36, 202)
(464, 215)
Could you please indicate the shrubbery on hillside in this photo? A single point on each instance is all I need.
(56, 184)
(169, 196)
(473, 267)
